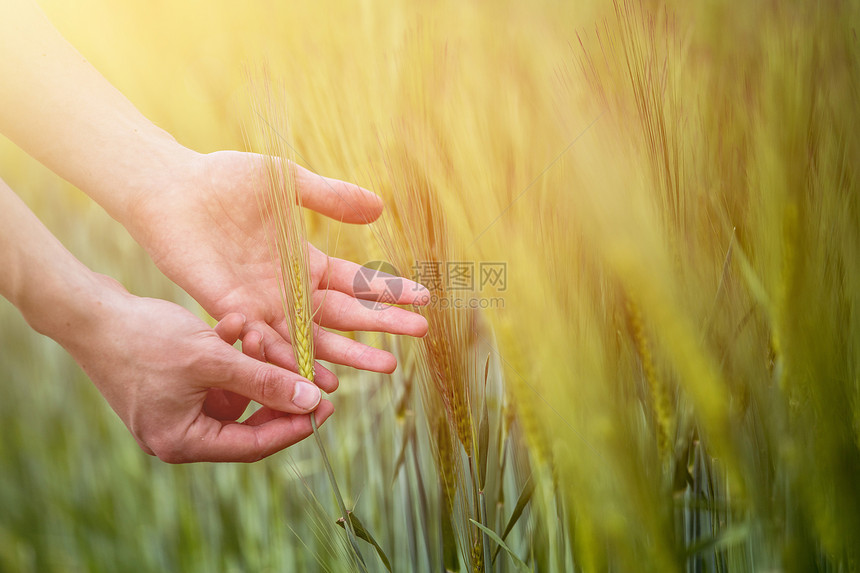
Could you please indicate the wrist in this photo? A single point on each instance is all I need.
(70, 304)
(56, 294)
(152, 165)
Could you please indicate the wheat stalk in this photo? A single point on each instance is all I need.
(281, 210)
(417, 233)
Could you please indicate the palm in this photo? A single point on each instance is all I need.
(210, 240)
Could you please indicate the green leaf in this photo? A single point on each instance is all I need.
(403, 405)
(755, 285)
(484, 433)
(521, 566)
(483, 446)
(729, 536)
(401, 457)
(450, 550)
(362, 533)
(522, 502)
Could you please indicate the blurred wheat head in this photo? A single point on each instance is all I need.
(679, 337)
(675, 195)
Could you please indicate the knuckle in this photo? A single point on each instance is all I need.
(146, 449)
(168, 450)
(212, 366)
(252, 457)
(268, 384)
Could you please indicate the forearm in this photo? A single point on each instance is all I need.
(59, 109)
(54, 291)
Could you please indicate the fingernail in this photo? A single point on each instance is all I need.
(306, 396)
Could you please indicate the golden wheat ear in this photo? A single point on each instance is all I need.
(281, 212)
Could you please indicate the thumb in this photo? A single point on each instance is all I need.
(270, 385)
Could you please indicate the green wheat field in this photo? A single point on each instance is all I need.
(640, 224)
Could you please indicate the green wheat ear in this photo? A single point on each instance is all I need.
(281, 211)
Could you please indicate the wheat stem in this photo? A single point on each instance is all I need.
(350, 530)
(281, 208)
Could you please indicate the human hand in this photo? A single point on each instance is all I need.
(206, 234)
(171, 378)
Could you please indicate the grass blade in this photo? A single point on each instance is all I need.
(521, 566)
(364, 534)
(484, 433)
(522, 501)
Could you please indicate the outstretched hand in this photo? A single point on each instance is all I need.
(205, 233)
(175, 382)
